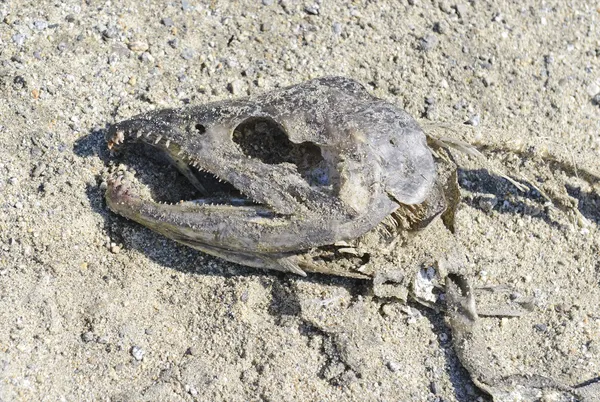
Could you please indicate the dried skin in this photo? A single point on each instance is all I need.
(306, 167)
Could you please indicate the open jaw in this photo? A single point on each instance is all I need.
(206, 193)
(155, 151)
(201, 208)
(276, 176)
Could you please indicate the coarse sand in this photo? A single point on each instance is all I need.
(95, 307)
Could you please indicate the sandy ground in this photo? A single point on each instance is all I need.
(94, 307)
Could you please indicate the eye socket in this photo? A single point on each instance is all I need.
(264, 139)
(200, 128)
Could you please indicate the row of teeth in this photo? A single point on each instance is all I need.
(124, 183)
(124, 172)
(119, 138)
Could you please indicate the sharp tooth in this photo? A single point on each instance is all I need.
(179, 152)
(148, 134)
(138, 134)
(157, 139)
(119, 137)
(167, 143)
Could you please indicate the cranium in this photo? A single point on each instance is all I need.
(313, 165)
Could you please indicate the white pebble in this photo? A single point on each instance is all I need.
(137, 353)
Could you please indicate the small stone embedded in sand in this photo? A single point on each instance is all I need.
(487, 202)
(88, 336)
(138, 46)
(168, 22)
(427, 43)
(312, 9)
(188, 54)
(137, 353)
(474, 120)
(19, 39)
(393, 366)
(39, 169)
(237, 87)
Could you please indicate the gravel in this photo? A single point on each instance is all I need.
(137, 353)
(523, 75)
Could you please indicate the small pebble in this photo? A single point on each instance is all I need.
(441, 27)
(488, 202)
(593, 89)
(541, 327)
(115, 249)
(147, 57)
(312, 10)
(40, 25)
(393, 366)
(87, 336)
(185, 5)
(191, 390)
(137, 353)
(188, 54)
(445, 7)
(427, 43)
(461, 10)
(265, 27)
(109, 33)
(39, 169)
(596, 99)
(474, 120)
(443, 337)
(237, 87)
(138, 46)
(387, 310)
(18, 39)
(168, 22)
(337, 28)
(267, 2)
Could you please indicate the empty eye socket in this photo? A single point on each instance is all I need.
(264, 139)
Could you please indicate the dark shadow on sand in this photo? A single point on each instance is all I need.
(588, 202)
